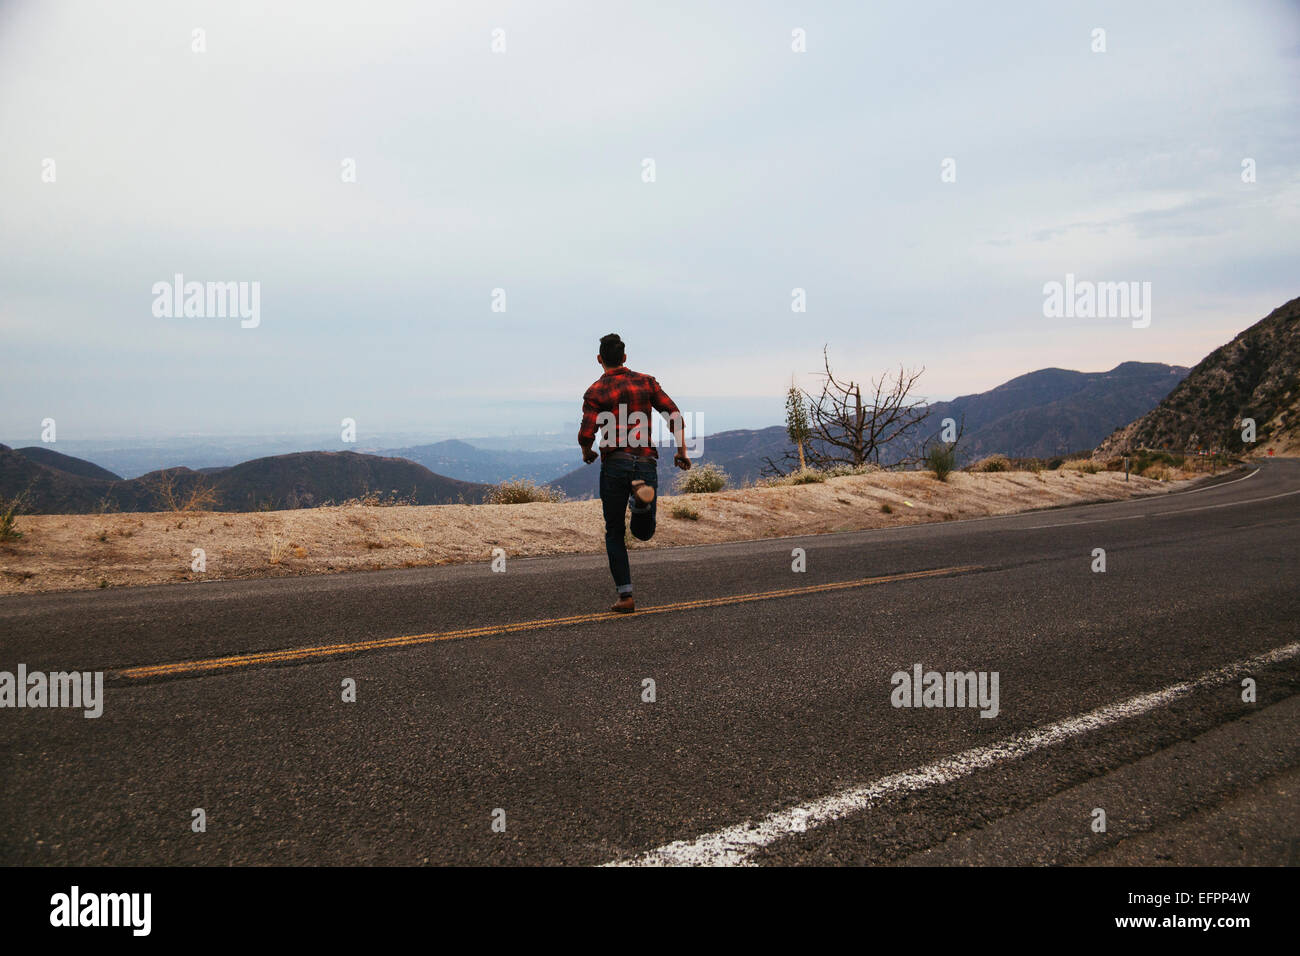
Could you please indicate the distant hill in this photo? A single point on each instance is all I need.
(459, 459)
(310, 479)
(73, 466)
(1256, 375)
(1055, 410)
(53, 490)
(1041, 414)
(301, 480)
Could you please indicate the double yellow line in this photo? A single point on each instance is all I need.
(186, 668)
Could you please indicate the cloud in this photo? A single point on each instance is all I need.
(522, 171)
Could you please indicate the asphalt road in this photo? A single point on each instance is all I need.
(771, 738)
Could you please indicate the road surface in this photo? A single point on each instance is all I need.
(502, 718)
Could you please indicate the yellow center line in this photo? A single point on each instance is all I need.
(487, 630)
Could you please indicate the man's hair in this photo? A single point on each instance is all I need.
(612, 350)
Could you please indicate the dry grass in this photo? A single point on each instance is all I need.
(993, 463)
(378, 499)
(523, 491)
(279, 550)
(1158, 472)
(804, 476)
(1085, 465)
(200, 496)
(61, 552)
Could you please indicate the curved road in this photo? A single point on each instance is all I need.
(771, 738)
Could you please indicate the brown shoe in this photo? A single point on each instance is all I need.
(624, 605)
(643, 493)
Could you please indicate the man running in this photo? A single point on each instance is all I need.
(620, 402)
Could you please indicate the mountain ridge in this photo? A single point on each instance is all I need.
(1254, 375)
(276, 482)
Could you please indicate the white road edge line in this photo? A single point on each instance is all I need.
(1161, 514)
(734, 845)
(1192, 491)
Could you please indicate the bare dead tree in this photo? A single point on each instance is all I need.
(854, 425)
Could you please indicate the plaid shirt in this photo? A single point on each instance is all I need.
(614, 402)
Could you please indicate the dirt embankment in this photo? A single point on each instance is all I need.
(62, 552)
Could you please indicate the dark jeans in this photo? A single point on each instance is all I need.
(616, 477)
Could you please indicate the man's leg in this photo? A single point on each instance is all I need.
(615, 487)
(643, 516)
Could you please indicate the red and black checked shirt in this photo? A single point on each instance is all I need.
(621, 393)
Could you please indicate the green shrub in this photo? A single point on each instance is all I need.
(886, 509)
(702, 479)
(9, 509)
(685, 512)
(522, 491)
(940, 459)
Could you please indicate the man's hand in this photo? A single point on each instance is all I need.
(589, 455)
(681, 461)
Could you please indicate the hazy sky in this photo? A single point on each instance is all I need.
(523, 170)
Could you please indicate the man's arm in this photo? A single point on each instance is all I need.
(587, 430)
(666, 407)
